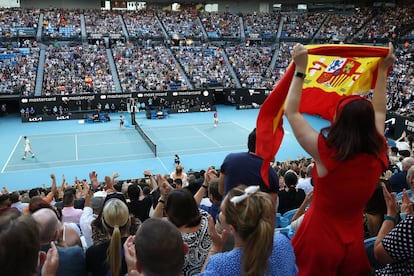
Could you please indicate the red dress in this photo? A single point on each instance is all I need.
(330, 240)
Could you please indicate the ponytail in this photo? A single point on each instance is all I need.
(114, 258)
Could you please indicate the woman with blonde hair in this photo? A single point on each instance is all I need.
(179, 173)
(107, 258)
(248, 214)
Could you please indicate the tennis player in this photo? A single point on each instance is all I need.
(27, 148)
(121, 121)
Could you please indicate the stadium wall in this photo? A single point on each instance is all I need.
(78, 106)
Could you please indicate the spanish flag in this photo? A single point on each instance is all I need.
(333, 71)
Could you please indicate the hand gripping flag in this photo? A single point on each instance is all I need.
(333, 71)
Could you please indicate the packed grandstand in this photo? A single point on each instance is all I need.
(56, 55)
(46, 52)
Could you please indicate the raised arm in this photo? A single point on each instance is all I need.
(53, 190)
(304, 133)
(209, 175)
(221, 183)
(152, 180)
(379, 99)
(93, 177)
(165, 188)
(380, 253)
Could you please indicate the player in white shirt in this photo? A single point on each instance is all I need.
(27, 148)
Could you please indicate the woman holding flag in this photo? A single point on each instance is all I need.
(350, 156)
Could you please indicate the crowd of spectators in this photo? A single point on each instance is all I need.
(387, 23)
(143, 25)
(18, 70)
(84, 223)
(340, 27)
(184, 23)
(258, 25)
(103, 22)
(400, 90)
(146, 68)
(142, 64)
(91, 219)
(14, 19)
(252, 66)
(61, 24)
(302, 25)
(74, 70)
(205, 66)
(221, 26)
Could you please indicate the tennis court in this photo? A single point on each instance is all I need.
(62, 150)
(72, 149)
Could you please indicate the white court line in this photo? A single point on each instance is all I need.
(76, 147)
(11, 153)
(202, 149)
(77, 165)
(154, 128)
(162, 164)
(108, 157)
(115, 132)
(242, 126)
(114, 143)
(89, 133)
(53, 136)
(206, 136)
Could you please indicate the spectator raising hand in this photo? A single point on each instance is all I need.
(406, 206)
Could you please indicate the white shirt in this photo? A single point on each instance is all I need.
(305, 184)
(85, 224)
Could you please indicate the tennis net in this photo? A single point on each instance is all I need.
(147, 139)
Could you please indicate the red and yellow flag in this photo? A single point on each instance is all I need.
(333, 71)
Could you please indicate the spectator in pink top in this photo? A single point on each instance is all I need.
(69, 213)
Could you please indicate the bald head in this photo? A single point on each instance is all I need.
(47, 223)
(407, 162)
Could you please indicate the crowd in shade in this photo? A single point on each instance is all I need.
(225, 221)
(186, 24)
(258, 23)
(340, 27)
(205, 66)
(252, 66)
(143, 24)
(102, 22)
(222, 25)
(302, 26)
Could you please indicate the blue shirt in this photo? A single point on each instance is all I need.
(244, 168)
(282, 261)
(213, 210)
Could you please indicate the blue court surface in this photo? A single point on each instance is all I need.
(73, 149)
